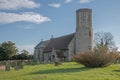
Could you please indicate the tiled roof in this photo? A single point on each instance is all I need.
(59, 43)
(42, 44)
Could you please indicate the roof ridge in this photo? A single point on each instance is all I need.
(64, 36)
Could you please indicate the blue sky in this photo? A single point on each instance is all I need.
(26, 22)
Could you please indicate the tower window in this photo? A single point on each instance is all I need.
(90, 33)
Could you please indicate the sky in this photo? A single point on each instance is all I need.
(27, 22)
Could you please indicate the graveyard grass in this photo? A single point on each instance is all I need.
(66, 71)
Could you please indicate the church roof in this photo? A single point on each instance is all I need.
(59, 43)
(42, 44)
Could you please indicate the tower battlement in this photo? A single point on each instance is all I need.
(84, 10)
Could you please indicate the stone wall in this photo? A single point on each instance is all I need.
(71, 48)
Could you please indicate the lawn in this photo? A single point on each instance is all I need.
(66, 71)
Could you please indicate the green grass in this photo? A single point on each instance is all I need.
(66, 71)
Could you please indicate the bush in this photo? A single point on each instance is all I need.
(118, 59)
(97, 58)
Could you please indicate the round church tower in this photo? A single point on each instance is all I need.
(84, 31)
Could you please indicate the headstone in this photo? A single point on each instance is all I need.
(7, 66)
(13, 64)
(58, 62)
(20, 64)
(16, 67)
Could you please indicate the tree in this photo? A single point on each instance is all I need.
(3, 54)
(23, 55)
(104, 40)
(24, 52)
(7, 50)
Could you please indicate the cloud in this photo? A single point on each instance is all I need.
(17, 4)
(55, 5)
(68, 1)
(85, 1)
(26, 17)
(29, 48)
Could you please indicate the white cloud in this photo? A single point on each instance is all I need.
(27, 17)
(55, 5)
(85, 1)
(29, 48)
(17, 4)
(68, 1)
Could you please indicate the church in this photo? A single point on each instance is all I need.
(65, 47)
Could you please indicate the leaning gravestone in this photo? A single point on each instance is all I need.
(7, 66)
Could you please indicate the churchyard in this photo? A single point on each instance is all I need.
(66, 71)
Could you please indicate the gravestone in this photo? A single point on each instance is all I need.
(16, 67)
(7, 66)
(20, 64)
(57, 62)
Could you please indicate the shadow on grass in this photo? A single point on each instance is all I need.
(116, 70)
(61, 70)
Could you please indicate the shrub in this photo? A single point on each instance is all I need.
(97, 58)
(118, 59)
